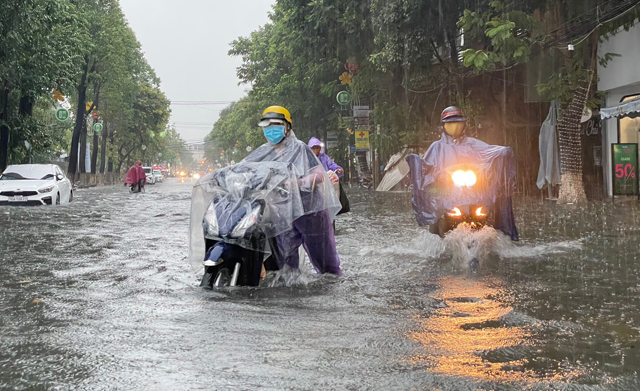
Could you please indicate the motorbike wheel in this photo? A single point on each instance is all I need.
(211, 274)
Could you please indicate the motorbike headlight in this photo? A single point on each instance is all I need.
(464, 178)
(210, 222)
(480, 212)
(46, 189)
(455, 212)
(247, 222)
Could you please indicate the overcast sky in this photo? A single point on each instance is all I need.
(186, 42)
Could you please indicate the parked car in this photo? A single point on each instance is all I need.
(157, 174)
(151, 179)
(34, 184)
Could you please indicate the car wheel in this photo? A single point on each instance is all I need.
(57, 198)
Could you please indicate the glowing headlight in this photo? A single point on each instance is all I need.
(480, 213)
(46, 190)
(210, 222)
(455, 212)
(196, 176)
(464, 178)
(247, 222)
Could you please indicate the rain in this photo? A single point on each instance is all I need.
(320, 195)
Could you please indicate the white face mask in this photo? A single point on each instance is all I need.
(454, 129)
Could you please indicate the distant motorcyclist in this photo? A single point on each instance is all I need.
(313, 229)
(136, 178)
(454, 148)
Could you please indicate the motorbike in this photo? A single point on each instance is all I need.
(248, 208)
(462, 183)
(136, 188)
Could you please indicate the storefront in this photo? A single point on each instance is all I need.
(620, 80)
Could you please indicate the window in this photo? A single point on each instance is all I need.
(628, 128)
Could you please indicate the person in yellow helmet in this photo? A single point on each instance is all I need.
(320, 203)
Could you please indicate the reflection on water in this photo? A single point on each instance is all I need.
(468, 336)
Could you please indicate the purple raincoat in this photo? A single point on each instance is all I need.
(325, 160)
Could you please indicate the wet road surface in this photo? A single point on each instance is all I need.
(99, 295)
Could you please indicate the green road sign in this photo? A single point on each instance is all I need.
(62, 114)
(343, 97)
(625, 169)
(97, 127)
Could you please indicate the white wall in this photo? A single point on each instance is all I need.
(624, 70)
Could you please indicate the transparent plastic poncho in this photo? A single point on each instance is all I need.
(286, 177)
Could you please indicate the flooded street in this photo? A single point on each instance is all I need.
(99, 295)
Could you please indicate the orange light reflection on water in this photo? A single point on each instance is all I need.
(454, 337)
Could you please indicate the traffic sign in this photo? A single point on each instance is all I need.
(97, 127)
(62, 114)
(343, 97)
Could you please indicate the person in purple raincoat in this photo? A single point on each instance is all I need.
(329, 165)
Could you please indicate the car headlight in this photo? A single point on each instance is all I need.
(210, 222)
(46, 189)
(464, 178)
(247, 222)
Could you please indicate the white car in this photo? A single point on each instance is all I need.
(34, 184)
(157, 174)
(151, 179)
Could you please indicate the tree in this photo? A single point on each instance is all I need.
(39, 42)
(104, 61)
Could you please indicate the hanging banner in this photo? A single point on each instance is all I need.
(362, 140)
(625, 169)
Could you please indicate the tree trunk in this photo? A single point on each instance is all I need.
(103, 148)
(570, 143)
(4, 128)
(83, 147)
(26, 106)
(94, 154)
(77, 130)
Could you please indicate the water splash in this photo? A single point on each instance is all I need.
(466, 243)
(288, 277)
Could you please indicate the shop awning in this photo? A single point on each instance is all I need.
(628, 108)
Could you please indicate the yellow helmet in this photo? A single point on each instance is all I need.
(275, 112)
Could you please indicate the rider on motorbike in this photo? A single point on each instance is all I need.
(136, 177)
(313, 229)
(431, 199)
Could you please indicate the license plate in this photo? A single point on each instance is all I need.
(18, 198)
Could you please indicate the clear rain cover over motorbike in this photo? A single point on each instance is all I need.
(289, 179)
(433, 194)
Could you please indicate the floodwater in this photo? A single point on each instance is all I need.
(99, 295)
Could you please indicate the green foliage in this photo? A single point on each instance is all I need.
(74, 46)
(504, 34)
(236, 129)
